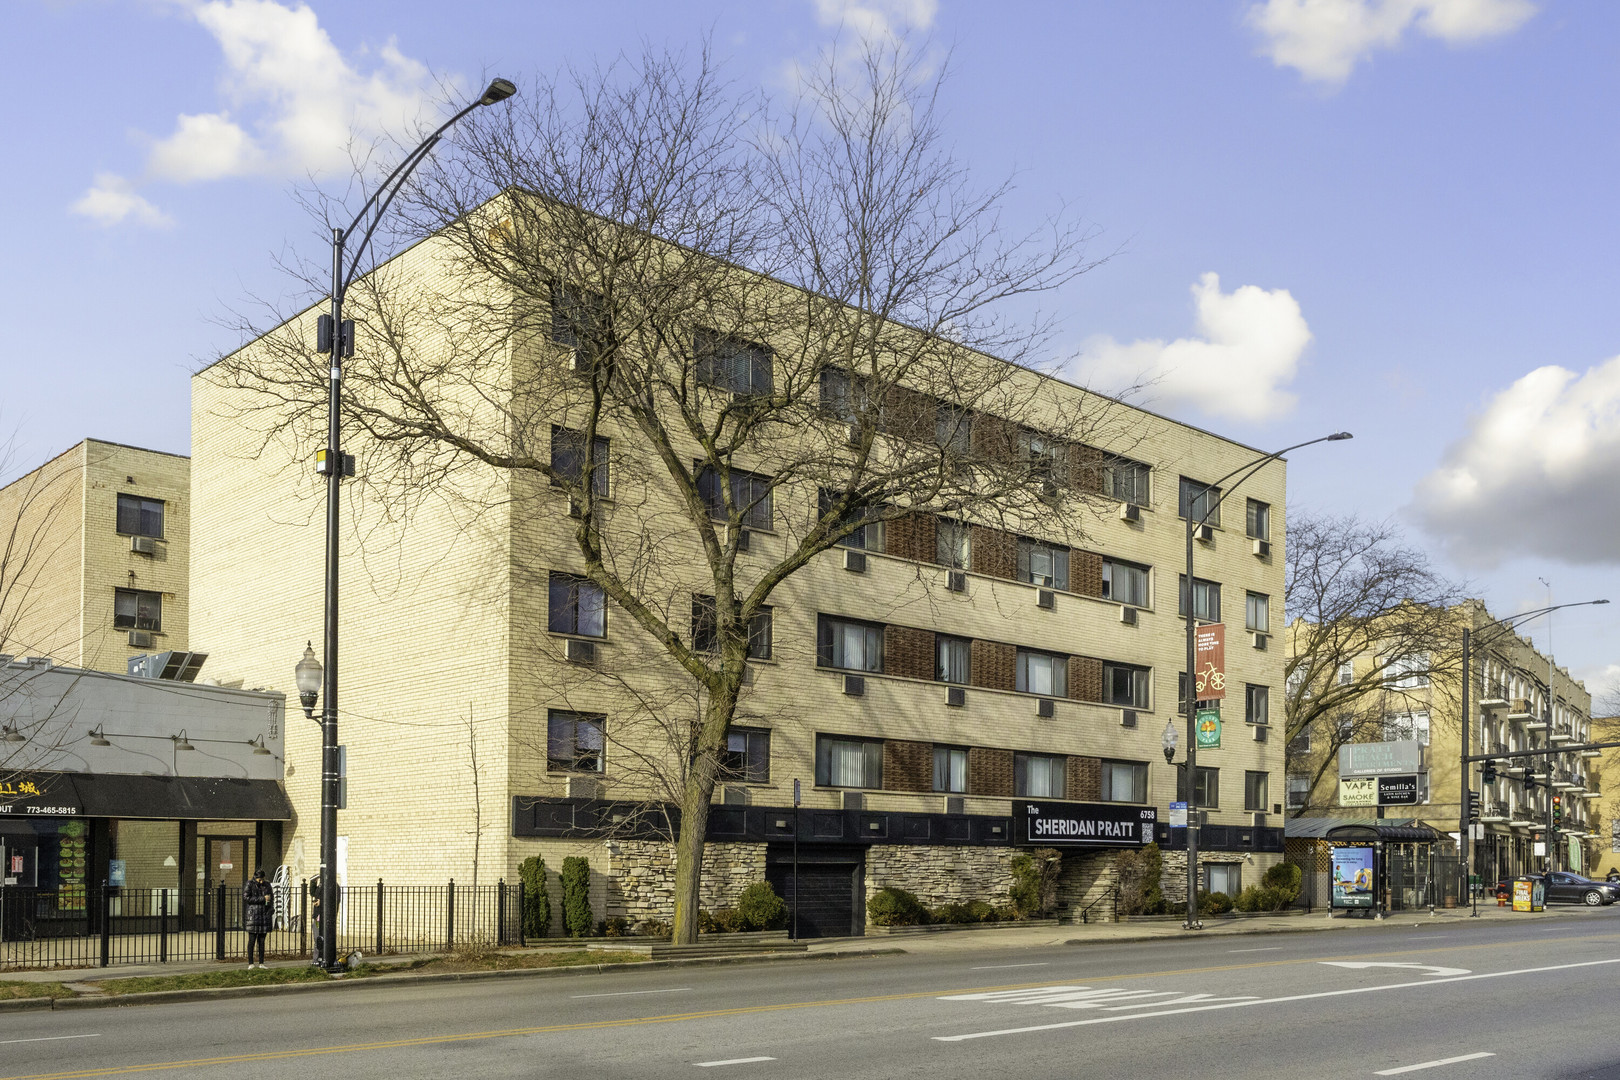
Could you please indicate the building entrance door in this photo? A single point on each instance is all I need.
(831, 887)
(227, 859)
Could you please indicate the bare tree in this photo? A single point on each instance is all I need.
(1371, 635)
(751, 318)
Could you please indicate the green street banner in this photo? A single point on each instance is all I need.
(1209, 729)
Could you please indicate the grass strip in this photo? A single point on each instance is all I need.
(13, 991)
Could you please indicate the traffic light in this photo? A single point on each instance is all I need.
(1473, 806)
(1558, 810)
(1488, 773)
(1529, 782)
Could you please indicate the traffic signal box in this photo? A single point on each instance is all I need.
(1558, 810)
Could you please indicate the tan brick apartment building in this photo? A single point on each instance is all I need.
(916, 683)
(97, 563)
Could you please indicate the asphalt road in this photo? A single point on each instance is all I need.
(1457, 1000)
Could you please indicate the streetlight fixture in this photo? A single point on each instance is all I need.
(307, 673)
(1191, 700)
(335, 337)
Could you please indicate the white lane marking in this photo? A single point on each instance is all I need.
(1432, 1064)
(1268, 948)
(1269, 1001)
(1429, 969)
(730, 1061)
(634, 993)
(49, 1038)
(996, 967)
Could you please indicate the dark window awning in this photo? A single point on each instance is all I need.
(1416, 833)
(118, 795)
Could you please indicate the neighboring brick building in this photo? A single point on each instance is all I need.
(973, 686)
(97, 565)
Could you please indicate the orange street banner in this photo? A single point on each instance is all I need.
(1209, 653)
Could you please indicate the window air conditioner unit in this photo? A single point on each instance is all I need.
(854, 686)
(853, 801)
(573, 361)
(580, 652)
(1130, 512)
(584, 787)
(956, 696)
(1045, 708)
(140, 639)
(854, 435)
(574, 509)
(738, 796)
(1205, 533)
(1260, 820)
(742, 539)
(955, 804)
(1127, 718)
(1262, 548)
(1261, 640)
(748, 676)
(1045, 598)
(855, 562)
(1259, 732)
(1127, 616)
(143, 545)
(956, 581)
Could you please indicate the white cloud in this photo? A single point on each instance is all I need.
(1324, 39)
(877, 19)
(110, 201)
(1246, 351)
(293, 101)
(1536, 474)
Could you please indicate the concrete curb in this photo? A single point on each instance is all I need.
(19, 1004)
(226, 993)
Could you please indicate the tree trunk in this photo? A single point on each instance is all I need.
(695, 801)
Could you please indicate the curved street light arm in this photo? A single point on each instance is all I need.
(1256, 465)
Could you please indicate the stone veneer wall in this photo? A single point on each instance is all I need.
(1087, 883)
(641, 877)
(1173, 879)
(941, 875)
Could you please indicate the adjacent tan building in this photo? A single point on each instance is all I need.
(96, 565)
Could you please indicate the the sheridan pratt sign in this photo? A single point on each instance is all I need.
(1065, 824)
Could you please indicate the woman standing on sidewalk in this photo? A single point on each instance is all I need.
(256, 914)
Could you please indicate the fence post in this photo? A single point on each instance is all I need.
(379, 916)
(219, 922)
(163, 926)
(106, 923)
(500, 914)
(523, 938)
(303, 919)
(450, 918)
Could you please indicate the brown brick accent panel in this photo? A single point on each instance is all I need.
(994, 439)
(908, 766)
(914, 537)
(908, 652)
(994, 552)
(990, 772)
(1085, 678)
(1086, 468)
(1085, 572)
(1084, 779)
(908, 414)
(994, 664)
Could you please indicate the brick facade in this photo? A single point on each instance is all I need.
(908, 652)
(1084, 779)
(914, 537)
(994, 664)
(1085, 572)
(990, 772)
(908, 766)
(1085, 678)
(995, 552)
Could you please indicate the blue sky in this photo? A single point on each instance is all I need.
(1390, 216)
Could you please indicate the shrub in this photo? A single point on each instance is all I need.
(1258, 898)
(653, 928)
(895, 907)
(1034, 882)
(979, 911)
(1140, 875)
(759, 908)
(1285, 878)
(617, 926)
(1214, 903)
(536, 898)
(576, 887)
(951, 914)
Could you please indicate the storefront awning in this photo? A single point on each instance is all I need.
(1394, 834)
(163, 798)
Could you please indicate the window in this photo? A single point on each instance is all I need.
(1295, 685)
(137, 609)
(1257, 520)
(750, 494)
(1181, 694)
(1346, 673)
(140, 517)
(847, 644)
(1256, 791)
(1256, 703)
(1299, 790)
(1043, 564)
(868, 537)
(1407, 727)
(568, 459)
(578, 317)
(1126, 480)
(1124, 781)
(1206, 788)
(1344, 728)
(1408, 672)
(1301, 743)
(577, 606)
(1124, 684)
(573, 742)
(1125, 583)
(705, 633)
(1257, 612)
(842, 398)
(848, 762)
(1206, 599)
(1224, 877)
(747, 756)
(950, 769)
(1039, 453)
(953, 429)
(955, 659)
(728, 364)
(1199, 501)
(1043, 673)
(953, 544)
(1039, 775)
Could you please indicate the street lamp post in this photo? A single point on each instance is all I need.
(336, 338)
(1191, 701)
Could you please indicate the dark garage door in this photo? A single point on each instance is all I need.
(831, 886)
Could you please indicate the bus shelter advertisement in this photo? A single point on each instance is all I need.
(1353, 877)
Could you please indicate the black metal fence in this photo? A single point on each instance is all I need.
(100, 926)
